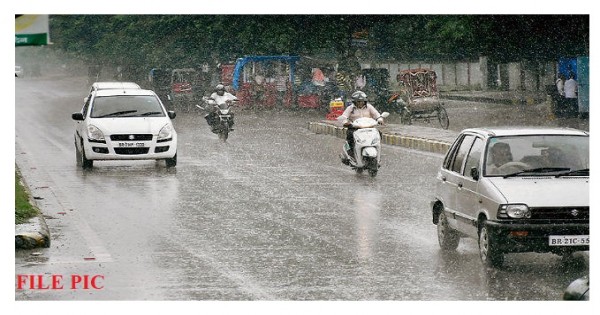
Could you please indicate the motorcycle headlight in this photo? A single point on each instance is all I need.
(94, 134)
(516, 211)
(165, 133)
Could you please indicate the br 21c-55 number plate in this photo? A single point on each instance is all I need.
(569, 240)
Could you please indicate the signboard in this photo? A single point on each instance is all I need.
(31, 30)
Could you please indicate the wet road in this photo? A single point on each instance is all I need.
(270, 215)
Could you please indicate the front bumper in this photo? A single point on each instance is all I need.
(535, 237)
(135, 150)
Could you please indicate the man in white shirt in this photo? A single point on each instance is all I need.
(571, 94)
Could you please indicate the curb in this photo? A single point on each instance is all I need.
(33, 234)
(411, 142)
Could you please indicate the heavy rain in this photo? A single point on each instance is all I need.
(271, 212)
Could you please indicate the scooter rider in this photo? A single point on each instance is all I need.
(359, 108)
(220, 96)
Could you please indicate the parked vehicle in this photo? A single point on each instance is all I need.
(515, 190)
(124, 124)
(184, 85)
(367, 146)
(419, 98)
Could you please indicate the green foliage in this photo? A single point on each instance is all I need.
(23, 208)
(189, 40)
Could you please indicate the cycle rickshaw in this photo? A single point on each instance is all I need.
(419, 98)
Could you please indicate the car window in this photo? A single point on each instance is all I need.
(568, 152)
(462, 153)
(451, 153)
(474, 156)
(126, 106)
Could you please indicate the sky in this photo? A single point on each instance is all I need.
(267, 7)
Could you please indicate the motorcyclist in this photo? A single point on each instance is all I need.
(221, 97)
(359, 108)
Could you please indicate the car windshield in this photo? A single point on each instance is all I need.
(537, 154)
(126, 106)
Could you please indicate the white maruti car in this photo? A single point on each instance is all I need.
(515, 190)
(124, 124)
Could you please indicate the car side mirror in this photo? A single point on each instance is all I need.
(475, 173)
(77, 116)
(171, 114)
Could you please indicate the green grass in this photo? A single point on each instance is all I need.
(24, 210)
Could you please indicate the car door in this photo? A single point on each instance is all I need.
(451, 175)
(467, 196)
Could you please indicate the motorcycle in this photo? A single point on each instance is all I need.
(222, 122)
(367, 146)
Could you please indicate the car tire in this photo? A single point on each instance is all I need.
(447, 237)
(172, 162)
(82, 159)
(489, 253)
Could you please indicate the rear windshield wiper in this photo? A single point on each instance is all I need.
(580, 172)
(537, 170)
(118, 113)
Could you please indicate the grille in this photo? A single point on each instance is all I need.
(131, 151)
(131, 137)
(563, 213)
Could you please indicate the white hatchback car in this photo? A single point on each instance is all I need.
(124, 124)
(515, 190)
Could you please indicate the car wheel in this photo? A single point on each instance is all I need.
(172, 162)
(490, 255)
(82, 159)
(447, 237)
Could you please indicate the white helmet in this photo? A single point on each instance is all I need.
(359, 96)
(220, 87)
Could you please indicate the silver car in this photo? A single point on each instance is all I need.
(515, 190)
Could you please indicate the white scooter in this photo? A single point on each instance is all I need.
(367, 146)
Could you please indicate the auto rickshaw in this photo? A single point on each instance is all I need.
(418, 98)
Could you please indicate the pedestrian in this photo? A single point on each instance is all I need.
(570, 88)
(560, 84)
(281, 85)
(559, 96)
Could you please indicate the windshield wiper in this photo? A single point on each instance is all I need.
(118, 113)
(151, 113)
(537, 170)
(581, 172)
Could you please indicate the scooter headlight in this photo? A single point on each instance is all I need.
(375, 141)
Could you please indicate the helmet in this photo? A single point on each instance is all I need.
(359, 96)
(220, 87)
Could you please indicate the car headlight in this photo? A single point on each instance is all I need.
(165, 133)
(516, 211)
(94, 134)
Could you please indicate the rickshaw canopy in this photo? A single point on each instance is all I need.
(419, 82)
(241, 62)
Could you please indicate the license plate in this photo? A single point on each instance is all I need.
(569, 240)
(131, 144)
